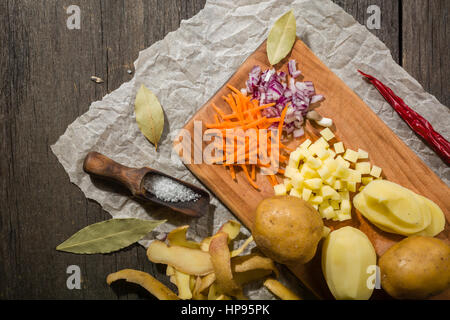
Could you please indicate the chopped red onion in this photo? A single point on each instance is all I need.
(270, 86)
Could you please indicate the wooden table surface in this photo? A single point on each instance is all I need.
(45, 84)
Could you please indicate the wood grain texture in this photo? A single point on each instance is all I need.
(44, 86)
(355, 124)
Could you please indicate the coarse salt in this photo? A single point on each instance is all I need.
(168, 190)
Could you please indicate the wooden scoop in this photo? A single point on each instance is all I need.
(134, 179)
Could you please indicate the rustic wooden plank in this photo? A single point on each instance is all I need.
(425, 43)
(45, 86)
(389, 32)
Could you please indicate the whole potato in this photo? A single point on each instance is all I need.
(416, 268)
(287, 229)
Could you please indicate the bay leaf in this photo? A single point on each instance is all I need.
(281, 38)
(149, 115)
(108, 236)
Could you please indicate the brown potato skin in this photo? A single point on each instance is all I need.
(416, 268)
(287, 229)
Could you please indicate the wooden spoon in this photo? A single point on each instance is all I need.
(134, 180)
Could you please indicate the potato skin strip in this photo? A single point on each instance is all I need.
(220, 258)
(191, 261)
(278, 289)
(145, 280)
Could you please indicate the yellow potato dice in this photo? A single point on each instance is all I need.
(280, 190)
(306, 144)
(331, 181)
(313, 184)
(316, 200)
(346, 207)
(295, 193)
(290, 172)
(341, 172)
(331, 164)
(343, 162)
(345, 195)
(327, 134)
(308, 173)
(366, 180)
(313, 163)
(326, 210)
(316, 206)
(351, 155)
(328, 192)
(338, 185)
(351, 186)
(306, 194)
(343, 216)
(294, 158)
(304, 153)
(335, 204)
(288, 184)
(322, 153)
(297, 180)
(363, 167)
(363, 154)
(354, 176)
(376, 172)
(324, 172)
(339, 148)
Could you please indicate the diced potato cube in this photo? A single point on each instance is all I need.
(328, 192)
(306, 194)
(343, 162)
(363, 167)
(316, 200)
(322, 143)
(345, 195)
(376, 172)
(316, 206)
(366, 180)
(343, 216)
(308, 173)
(324, 172)
(354, 176)
(288, 183)
(322, 153)
(313, 163)
(351, 155)
(331, 154)
(331, 164)
(306, 144)
(327, 211)
(280, 190)
(339, 148)
(304, 153)
(290, 172)
(331, 181)
(335, 204)
(346, 206)
(297, 180)
(338, 184)
(341, 172)
(327, 134)
(351, 186)
(295, 193)
(295, 157)
(363, 154)
(313, 184)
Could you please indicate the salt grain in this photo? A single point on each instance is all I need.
(168, 190)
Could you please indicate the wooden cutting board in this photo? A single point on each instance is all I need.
(355, 124)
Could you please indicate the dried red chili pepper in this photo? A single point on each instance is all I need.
(418, 123)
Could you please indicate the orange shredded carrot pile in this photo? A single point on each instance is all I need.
(246, 114)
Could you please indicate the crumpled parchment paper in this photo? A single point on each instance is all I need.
(190, 64)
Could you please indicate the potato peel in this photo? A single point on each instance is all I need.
(187, 260)
(145, 280)
(278, 289)
(177, 237)
(183, 284)
(220, 258)
(238, 251)
(252, 262)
